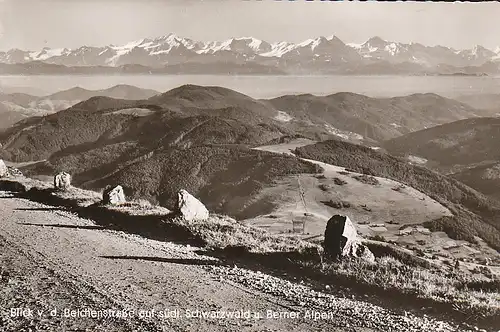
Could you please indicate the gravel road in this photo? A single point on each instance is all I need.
(103, 280)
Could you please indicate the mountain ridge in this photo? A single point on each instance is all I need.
(173, 50)
(15, 107)
(344, 115)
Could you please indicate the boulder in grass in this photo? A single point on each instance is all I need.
(4, 171)
(342, 240)
(189, 207)
(62, 181)
(113, 195)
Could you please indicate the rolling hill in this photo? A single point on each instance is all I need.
(466, 150)
(377, 119)
(121, 91)
(15, 107)
(153, 148)
(347, 116)
(482, 101)
(474, 214)
(484, 178)
(452, 146)
(200, 138)
(11, 113)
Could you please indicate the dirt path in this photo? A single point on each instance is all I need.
(49, 258)
(55, 259)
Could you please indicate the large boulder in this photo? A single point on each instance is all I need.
(189, 207)
(4, 171)
(342, 240)
(62, 181)
(113, 195)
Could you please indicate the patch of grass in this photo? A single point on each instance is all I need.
(219, 232)
(367, 179)
(378, 237)
(390, 273)
(404, 256)
(337, 204)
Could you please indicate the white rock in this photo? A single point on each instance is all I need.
(14, 171)
(405, 231)
(190, 207)
(113, 196)
(4, 171)
(62, 181)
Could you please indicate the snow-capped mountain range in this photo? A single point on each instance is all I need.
(331, 51)
(377, 48)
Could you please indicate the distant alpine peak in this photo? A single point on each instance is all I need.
(169, 36)
(376, 41)
(480, 49)
(172, 48)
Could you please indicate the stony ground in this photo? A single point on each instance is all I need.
(51, 259)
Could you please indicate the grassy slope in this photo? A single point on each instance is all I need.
(474, 213)
(225, 178)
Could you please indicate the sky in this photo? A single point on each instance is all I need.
(34, 24)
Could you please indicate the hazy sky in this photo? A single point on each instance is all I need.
(33, 24)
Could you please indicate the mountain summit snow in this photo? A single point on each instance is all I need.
(172, 49)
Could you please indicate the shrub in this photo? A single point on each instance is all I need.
(337, 204)
(367, 179)
(398, 188)
(339, 181)
(324, 187)
(378, 237)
